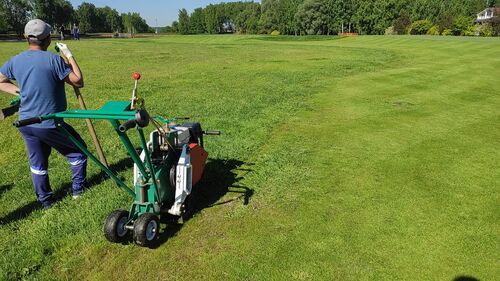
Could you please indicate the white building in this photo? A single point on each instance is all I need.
(487, 14)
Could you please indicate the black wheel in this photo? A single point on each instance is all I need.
(114, 227)
(172, 175)
(146, 229)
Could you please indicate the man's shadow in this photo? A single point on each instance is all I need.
(219, 178)
(24, 211)
(6, 187)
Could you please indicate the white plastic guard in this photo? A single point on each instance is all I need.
(137, 173)
(183, 181)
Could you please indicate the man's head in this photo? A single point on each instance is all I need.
(37, 32)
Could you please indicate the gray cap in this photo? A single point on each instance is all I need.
(37, 30)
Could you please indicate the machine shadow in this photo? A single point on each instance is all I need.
(24, 211)
(465, 278)
(220, 178)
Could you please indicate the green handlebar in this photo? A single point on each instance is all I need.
(16, 100)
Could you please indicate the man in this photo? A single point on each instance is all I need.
(61, 31)
(40, 76)
(76, 32)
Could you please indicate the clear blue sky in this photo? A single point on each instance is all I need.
(163, 11)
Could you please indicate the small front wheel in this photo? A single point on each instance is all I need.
(114, 227)
(146, 229)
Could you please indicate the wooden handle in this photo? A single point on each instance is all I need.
(91, 129)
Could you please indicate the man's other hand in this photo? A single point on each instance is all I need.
(63, 48)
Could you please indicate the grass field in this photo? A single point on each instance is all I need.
(367, 158)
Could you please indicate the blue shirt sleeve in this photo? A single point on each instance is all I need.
(6, 70)
(61, 69)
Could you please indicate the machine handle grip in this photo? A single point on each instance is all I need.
(29, 121)
(141, 119)
(129, 124)
(211, 133)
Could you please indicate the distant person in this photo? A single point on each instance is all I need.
(40, 76)
(61, 30)
(76, 32)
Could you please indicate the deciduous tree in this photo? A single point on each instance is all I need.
(87, 17)
(110, 20)
(54, 12)
(183, 21)
(273, 16)
(247, 21)
(134, 23)
(312, 17)
(197, 22)
(16, 14)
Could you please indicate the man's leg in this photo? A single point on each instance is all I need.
(78, 162)
(76, 158)
(38, 153)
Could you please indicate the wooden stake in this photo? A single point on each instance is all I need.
(91, 128)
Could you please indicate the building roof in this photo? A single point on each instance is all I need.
(487, 14)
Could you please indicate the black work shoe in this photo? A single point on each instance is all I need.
(47, 205)
(77, 195)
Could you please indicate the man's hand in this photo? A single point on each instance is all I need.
(63, 48)
(7, 86)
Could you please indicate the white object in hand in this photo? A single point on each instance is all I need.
(63, 48)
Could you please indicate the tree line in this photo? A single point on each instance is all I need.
(324, 17)
(290, 17)
(15, 13)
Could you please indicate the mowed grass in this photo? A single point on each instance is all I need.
(368, 158)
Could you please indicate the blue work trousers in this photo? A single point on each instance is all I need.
(39, 142)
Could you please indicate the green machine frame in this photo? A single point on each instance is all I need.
(147, 189)
(162, 172)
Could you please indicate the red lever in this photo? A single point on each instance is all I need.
(137, 76)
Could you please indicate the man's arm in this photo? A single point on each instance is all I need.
(75, 77)
(7, 86)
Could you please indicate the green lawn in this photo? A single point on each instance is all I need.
(366, 158)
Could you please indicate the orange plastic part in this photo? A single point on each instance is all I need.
(198, 159)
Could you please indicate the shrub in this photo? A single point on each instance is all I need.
(420, 27)
(402, 23)
(390, 31)
(275, 33)
(433, 30)
(471, 31)
(447, 32)
(495, 25)
(463, 25)
(445, 21)
(484, 30)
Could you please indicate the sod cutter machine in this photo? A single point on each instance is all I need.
(165, 170)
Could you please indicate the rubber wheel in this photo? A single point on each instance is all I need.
(114, 226)
(172, 175)
(146, 229)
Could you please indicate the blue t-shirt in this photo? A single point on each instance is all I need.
(40, 76)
